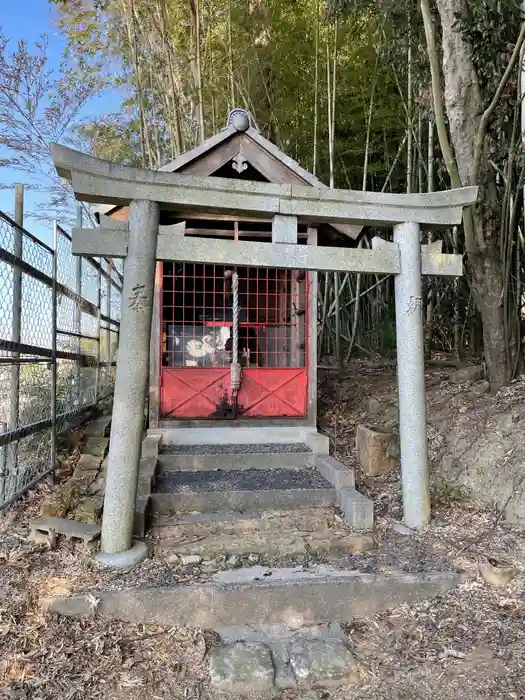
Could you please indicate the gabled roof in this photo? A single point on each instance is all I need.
(243, 146)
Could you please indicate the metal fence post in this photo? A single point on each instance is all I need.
(16, 326)
(78, 323)
(107, 354)
(99, 304)
(54, 367)
(3, 465)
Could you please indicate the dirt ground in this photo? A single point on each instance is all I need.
(467, 643)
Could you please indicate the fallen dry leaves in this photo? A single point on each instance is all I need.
(469, 643)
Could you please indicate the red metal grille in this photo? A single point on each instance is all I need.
(196, 340)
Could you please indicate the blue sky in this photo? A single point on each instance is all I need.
(29, 19)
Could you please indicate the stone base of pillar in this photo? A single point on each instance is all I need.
(124, 560)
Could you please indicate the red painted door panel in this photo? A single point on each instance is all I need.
(193, 393)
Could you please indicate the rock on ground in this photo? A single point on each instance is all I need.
(241, 667)
(245, 666)
(321, 662)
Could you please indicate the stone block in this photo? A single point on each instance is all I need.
(318, 443)
(201, 525)
(357, 509)
(278, 544)
(67, 498)
(279, 633)
(53, 509)
(140, 519)
(391, 416)
(148, 470)
(98, 427)
(259, 597)
(241, 667)
(473, 373)
(89, 510)
(98, 486)
(321, 662)
(52, 526)
(96, 446)
(284, 675)
(88, 463)
(377, 450)
(334, 472)
(372, 404)
(150, 446)
(351, 544)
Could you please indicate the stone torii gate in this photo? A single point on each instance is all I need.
(141, 241)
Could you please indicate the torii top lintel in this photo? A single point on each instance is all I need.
(100, 181)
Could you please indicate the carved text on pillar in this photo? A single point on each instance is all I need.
(415, 305)
(138, 298)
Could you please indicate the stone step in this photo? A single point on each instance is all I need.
(358, 510)
(231, 462)
(331, 469)
(253, 434)
(239, 501)
(240, 491)
(226, 478)
(271, 544)
(207, 524)
(231, 448)
(259, 597)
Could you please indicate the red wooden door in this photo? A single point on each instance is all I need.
(196, 325)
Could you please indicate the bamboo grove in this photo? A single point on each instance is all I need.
(417, 95)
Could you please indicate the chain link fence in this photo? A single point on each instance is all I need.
(59, 329)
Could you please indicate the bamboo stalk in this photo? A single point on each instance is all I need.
(316, 87)
(338, 354)
(409, 108)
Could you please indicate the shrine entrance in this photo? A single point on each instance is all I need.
(219, 279)
(201, 309)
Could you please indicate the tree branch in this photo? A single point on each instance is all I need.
(483, 125)
(439, 113)
(472, 245)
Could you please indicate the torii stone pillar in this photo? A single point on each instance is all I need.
(411, 377)
(130, 388)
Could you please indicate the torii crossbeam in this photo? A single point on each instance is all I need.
(141, 242)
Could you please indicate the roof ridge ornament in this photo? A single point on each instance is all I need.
(239, 161)
(240, 119)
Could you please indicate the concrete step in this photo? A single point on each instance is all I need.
(225, 478)
(269, 544)
(208, 524)
(201, 460)
(230, 448)
(230, 462)
(255, 433)
(259, 597)
(240, 491)
(269, 533)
